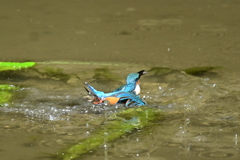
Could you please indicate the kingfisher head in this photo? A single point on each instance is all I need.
(134, 77)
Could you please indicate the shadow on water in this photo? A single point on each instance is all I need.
(49, 112)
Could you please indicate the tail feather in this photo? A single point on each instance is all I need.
(97, 95)
(90, 89)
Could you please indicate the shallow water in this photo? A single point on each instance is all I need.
(48, 113)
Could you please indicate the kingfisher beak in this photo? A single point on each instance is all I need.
(142, 72)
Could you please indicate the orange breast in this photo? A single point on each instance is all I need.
(112, 100)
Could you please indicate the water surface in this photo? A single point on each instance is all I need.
(49, 113)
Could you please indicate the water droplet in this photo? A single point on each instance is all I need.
(105, 134)
(105, 102)
(187, 121)
(236, 139)
(51, 117)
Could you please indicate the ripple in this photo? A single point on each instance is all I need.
(152, 22)
(170, 24)
(168, 27)
(134, 145)
(217, 154)
(91, 36)
(11, 127)
(153, 25)
(40, 130)
(53, 143)
(143, 28)
(153, 28)
(92, 20)
(171, 21)
(172, 145)
(232, 47)
(208, 34)
(80, 32)
(199, 149)
(213, 28)
(148, 22)
(211, 31)
(130, 9)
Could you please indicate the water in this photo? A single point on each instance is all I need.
(49, 113)
(115, 39)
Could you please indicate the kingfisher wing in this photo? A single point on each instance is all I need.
(126, 88)
(130, 87)
(119, 89)
(130, 99)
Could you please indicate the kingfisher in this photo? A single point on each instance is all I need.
(128, 93)
(112, 98)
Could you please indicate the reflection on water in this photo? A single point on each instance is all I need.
(49, 113)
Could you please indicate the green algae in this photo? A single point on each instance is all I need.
(7, 87)
(104, 75)
(4, 66)
(116, 126)
(5, 93)
(195, 71)
(5, 90)
(198, 71)
(4, 97)
(57, 73)
(88, 63)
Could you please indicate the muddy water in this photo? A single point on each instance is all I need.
(49, 113)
